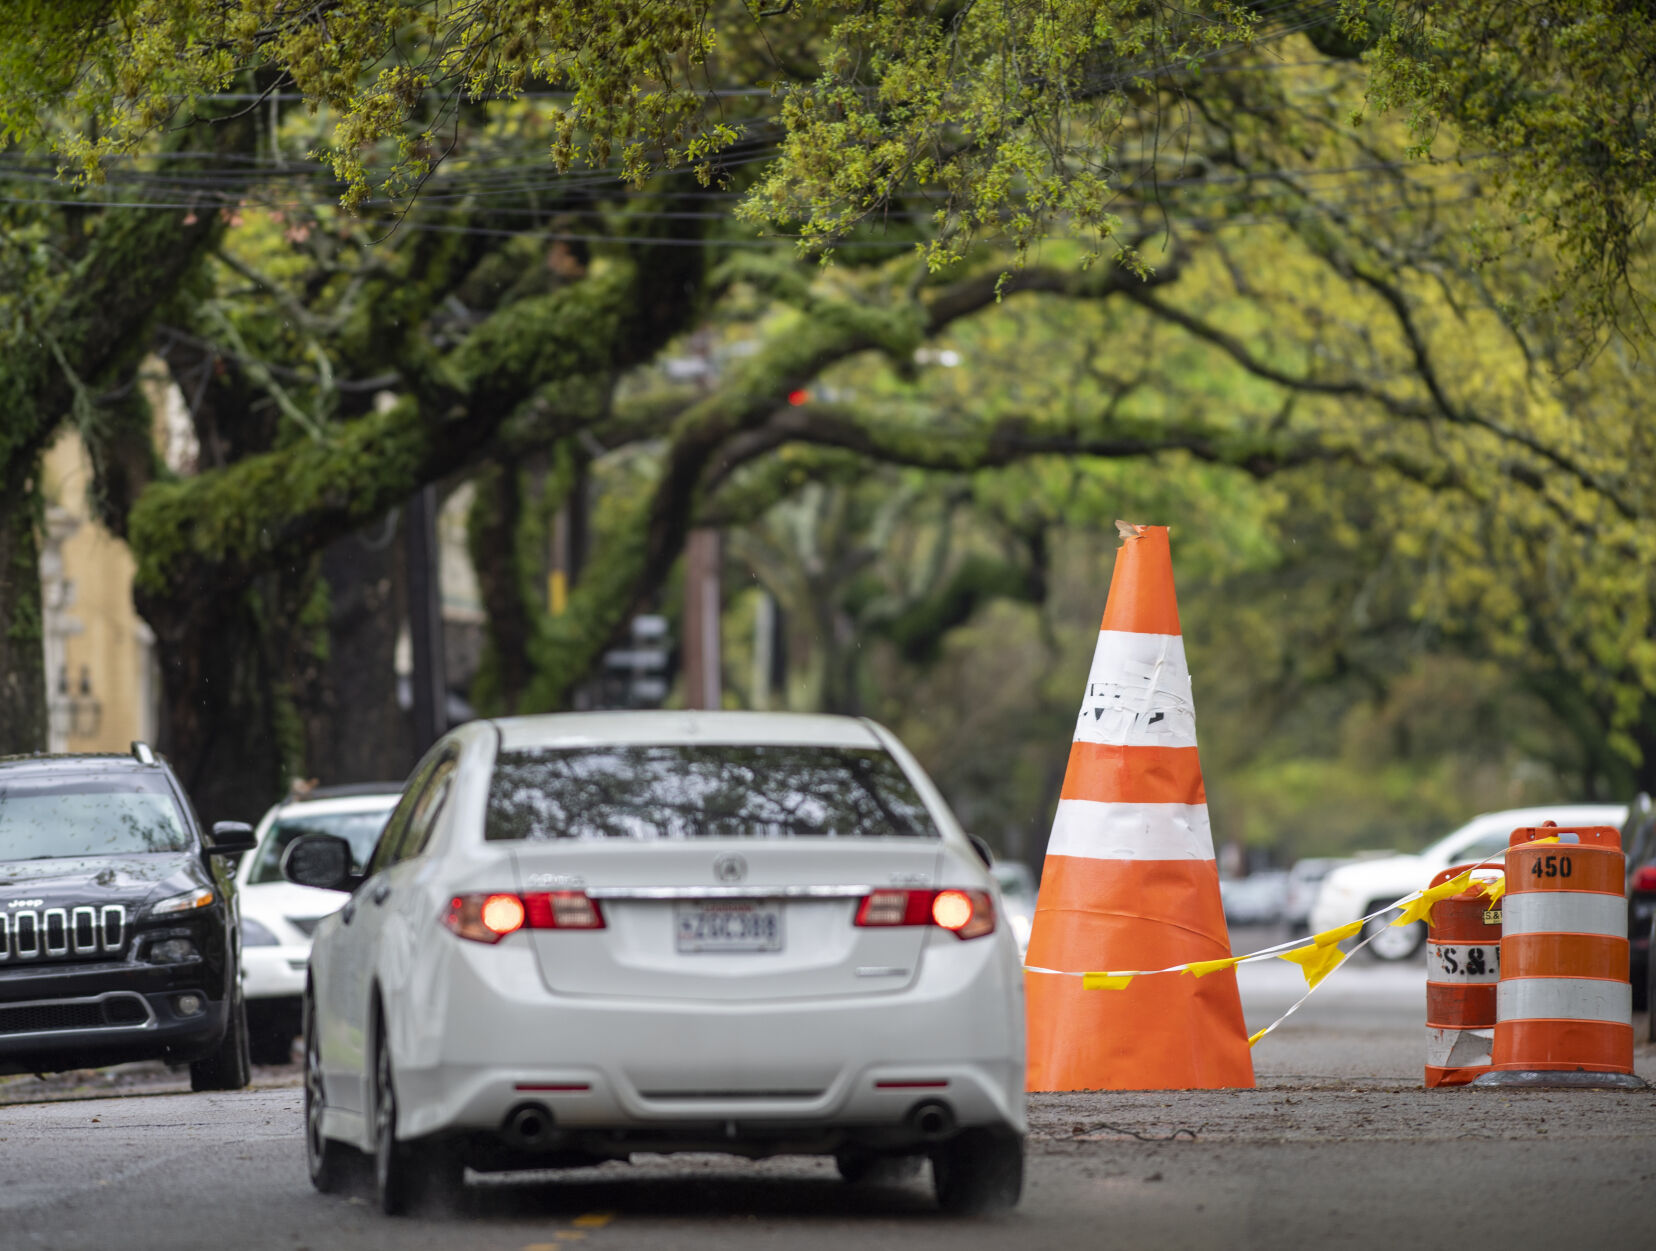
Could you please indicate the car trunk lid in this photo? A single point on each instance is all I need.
(729, 919)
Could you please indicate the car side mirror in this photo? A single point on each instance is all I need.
(231, 838)
(982, 849)
(320, 860)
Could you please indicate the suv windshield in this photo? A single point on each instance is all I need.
(360, 829)
(45, 817)
(694, 791)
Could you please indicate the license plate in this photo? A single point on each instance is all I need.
(728, 925)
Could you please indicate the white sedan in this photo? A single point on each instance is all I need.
(278, 918)
(586, 935)
(1365, 886)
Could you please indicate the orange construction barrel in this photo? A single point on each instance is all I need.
(1563, 1006)
(1463, 965)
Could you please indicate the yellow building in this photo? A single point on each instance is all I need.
(103, 689)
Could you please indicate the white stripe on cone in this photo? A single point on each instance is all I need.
(1111, 831)
(1564, 912)
(1563, 998)
(1138, 693)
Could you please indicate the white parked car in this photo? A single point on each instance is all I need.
(586, 935)
(1256, 899)
(1362, 887)
(1018, 896)
(1305, 878)
(278, 918)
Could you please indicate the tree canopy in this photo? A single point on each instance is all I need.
(1087, 259)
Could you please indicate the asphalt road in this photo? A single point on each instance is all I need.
(1339, 1145)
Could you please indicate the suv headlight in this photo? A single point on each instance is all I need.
(189, 901)
(257, 935)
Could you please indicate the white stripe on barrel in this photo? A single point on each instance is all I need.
(1564, 912)
(1563, 998)
(1456, 1048)
(1454, 963)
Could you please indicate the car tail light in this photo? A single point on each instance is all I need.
(964, 913)
(488, 918)
(1644, 877)
(563, 910)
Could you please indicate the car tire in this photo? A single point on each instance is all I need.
(334, 1166)
(1392, 943)
(270, 1032)
(868, 1168)
(426, 1175)
(978, 1172)
(228, 1067)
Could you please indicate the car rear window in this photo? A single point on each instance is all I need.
(655, 792)
(360, 829)
(45, 817)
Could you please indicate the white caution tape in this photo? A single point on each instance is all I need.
(1318, 955)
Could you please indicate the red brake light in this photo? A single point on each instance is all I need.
(501, 914)
(964, 913)
(952, 909)
(896, 907)
(563, 910)
(487, 918)
(1644, 877)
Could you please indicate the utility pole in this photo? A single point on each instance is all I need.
(702, 557)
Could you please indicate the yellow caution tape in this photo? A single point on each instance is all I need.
(1338, 935)
(1253, 1038)
(1203, 967)
(1316, 962)
(1420, 907)
(1104, 981)
(1310, 952)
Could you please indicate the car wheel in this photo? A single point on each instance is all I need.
(269, 1033)
(867, 1168)
(334, 1166)
(1393, 942)
(228, 1067)
(428, 1174)
(978, 1171)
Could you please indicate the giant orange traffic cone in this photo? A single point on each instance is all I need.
(1130, 880)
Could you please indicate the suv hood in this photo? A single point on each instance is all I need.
(98, 879)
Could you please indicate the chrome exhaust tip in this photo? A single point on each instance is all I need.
(528, 1125)
(932, 1119)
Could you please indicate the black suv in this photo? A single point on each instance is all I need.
(118, 930)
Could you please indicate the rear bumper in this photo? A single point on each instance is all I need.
(797, 1071)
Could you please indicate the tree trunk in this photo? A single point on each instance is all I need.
(497, 518)
(22, 654)
(238, 678)
(364, 734)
